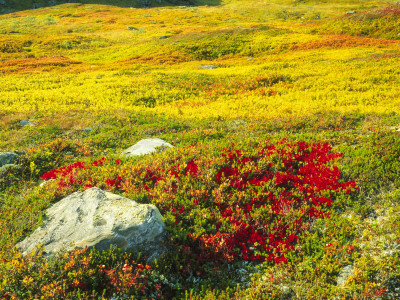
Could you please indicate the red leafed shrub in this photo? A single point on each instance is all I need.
(252, 203)
(63, 171)
(78, 175)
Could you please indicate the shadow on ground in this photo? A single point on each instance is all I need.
(7, 6)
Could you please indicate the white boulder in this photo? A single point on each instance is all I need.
(96, 218)
(147, 146)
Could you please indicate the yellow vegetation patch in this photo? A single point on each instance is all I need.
(230, 61)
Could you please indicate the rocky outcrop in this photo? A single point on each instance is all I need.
(96, 218)
(146, 146)
(8, 158)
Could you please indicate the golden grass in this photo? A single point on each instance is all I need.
(74, 57)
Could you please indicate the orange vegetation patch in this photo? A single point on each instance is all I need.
(156, 59)
(385, 56)
(343, 41)
(29, 65)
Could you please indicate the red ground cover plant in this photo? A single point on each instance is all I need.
(252, 203)
(71, 175)
(269, 197)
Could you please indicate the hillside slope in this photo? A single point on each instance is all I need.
(285, 118)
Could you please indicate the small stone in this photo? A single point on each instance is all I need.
(344, 274)
(146, 146)
(8, 158)
(208, 67)
(131, 28)
(164, 37)
(25, 123)
(351, 12)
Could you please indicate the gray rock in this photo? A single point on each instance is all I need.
(25, 123)
(146, 146)
(351, 12)
(8, 158)
(4, 169)
(164, 37)
(3, 2)
(208, 67)
(131, 28)
(344, 274)
(95, 218)
(392, 250)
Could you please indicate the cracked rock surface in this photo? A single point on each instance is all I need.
(96, 218)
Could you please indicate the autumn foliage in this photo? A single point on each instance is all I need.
(256, 203)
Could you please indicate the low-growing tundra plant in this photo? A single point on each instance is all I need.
(250, 203)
